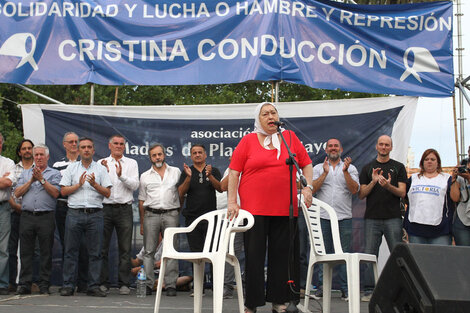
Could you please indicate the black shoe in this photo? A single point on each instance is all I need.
(22, 290)
(44, 290)
(12, 287)
(66, 291)
(96, 292)
(4, 291)
(170, 292)
(318, 294)
(148, 291)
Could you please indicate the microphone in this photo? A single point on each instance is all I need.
(279, 123)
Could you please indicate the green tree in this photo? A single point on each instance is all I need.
(11, 134)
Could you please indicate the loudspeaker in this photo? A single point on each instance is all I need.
(424, 279)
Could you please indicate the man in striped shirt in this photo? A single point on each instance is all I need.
(70, 143)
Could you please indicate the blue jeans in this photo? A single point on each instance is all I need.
(392, 229)
(445, 240)
(345, 234)
(80, 224)
(4, 238)
(461, 232)
(304, 241)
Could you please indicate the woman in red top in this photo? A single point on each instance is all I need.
(264, 191)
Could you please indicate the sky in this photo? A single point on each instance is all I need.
(434, 121)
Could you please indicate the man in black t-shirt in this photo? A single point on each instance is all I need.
(199, 183)
(383, 183)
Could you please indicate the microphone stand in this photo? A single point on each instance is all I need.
(291, 308)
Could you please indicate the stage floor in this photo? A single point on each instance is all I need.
(116, 303)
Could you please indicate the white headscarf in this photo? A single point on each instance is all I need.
(259, 129)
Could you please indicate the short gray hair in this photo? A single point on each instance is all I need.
(116, 136)
(68, 133)
(41, 146)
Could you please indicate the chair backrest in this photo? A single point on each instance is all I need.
(312, 219)
(221, 230)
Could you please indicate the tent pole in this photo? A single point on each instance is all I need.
(38, 94)
(277, 92)
(116, 96)
(459, 50)
(92, 94)
(456, 135)
(272, 92)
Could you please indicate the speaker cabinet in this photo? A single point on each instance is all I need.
(424, 279)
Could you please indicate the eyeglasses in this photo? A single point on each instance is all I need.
(201, 178)
(71, 141)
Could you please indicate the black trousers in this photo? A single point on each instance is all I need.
(271, 234)
(119, 217)
(13, 246)
(197, 237)
(34, 227)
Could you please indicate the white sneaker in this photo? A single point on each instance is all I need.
(124, 290)
(366, 298)
(103, 288)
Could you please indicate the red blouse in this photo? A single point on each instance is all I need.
(264, 184)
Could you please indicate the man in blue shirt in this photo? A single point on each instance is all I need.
(85, 183)
(39, 189)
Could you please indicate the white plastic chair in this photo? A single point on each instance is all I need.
(318, 255)
(218, 249)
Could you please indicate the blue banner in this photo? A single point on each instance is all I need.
(392, 49)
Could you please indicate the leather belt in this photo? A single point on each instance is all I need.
(37, 213)
(88, 210)
(117, 204)
(158, 211)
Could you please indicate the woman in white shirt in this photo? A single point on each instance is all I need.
(431, 195)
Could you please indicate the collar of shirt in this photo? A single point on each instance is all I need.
(159, 193)
(120, 193)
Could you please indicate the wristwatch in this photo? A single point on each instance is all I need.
(42, 181)
(310, 186)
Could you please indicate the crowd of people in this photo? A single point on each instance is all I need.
(86, 200)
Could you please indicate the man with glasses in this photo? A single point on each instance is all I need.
(70, 143)
(199, 183)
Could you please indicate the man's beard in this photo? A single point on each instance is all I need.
(334, 157)
(158, 164)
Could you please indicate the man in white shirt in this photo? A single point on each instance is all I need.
(335, 181)
(7, 179)
(159, 208)
(117, 209)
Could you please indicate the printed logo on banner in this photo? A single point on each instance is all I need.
(423, 62)
(17, 46)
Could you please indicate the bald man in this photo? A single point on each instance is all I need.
(383, 183)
